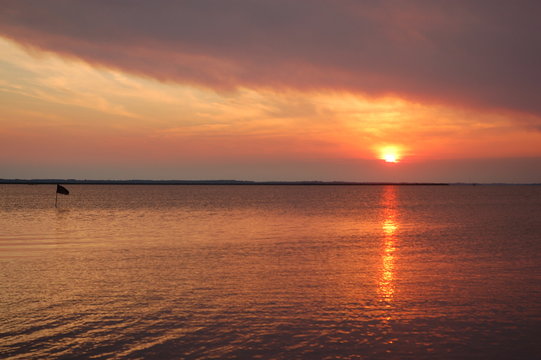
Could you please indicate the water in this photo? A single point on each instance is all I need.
(272, 272)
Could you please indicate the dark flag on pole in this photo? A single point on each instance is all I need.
(60, 190)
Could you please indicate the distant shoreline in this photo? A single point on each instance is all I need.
(231, 182)
(199, 182)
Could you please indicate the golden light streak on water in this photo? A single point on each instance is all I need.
(389, 225)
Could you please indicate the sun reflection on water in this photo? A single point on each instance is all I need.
(386, 282)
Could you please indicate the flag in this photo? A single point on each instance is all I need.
(61, 190)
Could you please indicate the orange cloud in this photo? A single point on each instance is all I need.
(481, 53)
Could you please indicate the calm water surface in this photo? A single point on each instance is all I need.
(272, 272)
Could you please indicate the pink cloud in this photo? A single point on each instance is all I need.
(477, 53)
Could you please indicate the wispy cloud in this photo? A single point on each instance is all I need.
(479, 53)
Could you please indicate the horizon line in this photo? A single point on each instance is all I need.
(52, 181)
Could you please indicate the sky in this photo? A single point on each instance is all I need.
(446, 91)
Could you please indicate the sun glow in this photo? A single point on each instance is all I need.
(390, 154)
(390, 158)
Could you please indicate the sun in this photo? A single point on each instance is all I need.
(390, 154)
(390, 158)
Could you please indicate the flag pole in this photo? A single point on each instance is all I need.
(62, 190)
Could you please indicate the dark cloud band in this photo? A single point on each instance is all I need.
(478, 53)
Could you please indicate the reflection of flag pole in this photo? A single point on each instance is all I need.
(60, 190)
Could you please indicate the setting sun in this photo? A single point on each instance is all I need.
(390, 154)
(390, 158)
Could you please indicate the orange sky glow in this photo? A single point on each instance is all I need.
(64, 115)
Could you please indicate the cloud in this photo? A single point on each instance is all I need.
(475, 53)
(56, 101)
